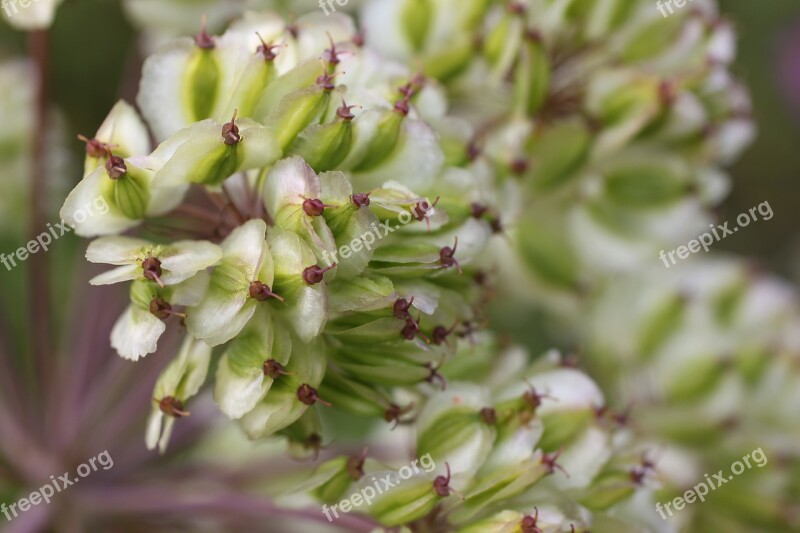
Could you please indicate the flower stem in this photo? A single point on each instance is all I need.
(38, 264)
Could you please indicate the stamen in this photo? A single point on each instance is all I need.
(171, 406)
(262, 292)
(308, 395)
(230, 131)
(151, 269)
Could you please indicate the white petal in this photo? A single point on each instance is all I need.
(115, 250)
(161, 85)
(220, 316)
(124, 129)
(136, 333)
(246, 245)
(87, 211)
(192, 291)
(418, 160)
(290, 253)
(308, 313)
(118, 275)
(185, 258)
(237, 394)
(153, 431)
(288, 182)
(185, 374)
(166, 433)
(161, 91)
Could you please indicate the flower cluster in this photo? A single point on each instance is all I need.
(264, 170)
(516, 445)
(607, 121)
(582, 138)
(709, 365)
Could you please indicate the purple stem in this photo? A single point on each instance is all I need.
(161, 500)
(39, 280)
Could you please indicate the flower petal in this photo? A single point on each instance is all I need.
(136, 333)
(184, 259)
(116, 250)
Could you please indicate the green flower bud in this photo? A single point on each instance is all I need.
(324, 146)
(503, 39)
(344, 473)
(546, 253)
(452, 429)
(249, 91)
(532, 77)
(645, 184)
(212, 152)
(416, 19)
(252, 363)
(607, 490)
(384, 140)
(201, 81)
(353, 396)
(297, 111)
(409, 500)
(290, 396)
(662, 323)
(451, 62)
(559, 151)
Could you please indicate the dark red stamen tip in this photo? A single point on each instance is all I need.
(359, 39)
(489, 416)
(401, 307)
(273, 369)
(447, 256)
(308, 395)
(171, 406)
(262, 292)
(203, 39)
(360, 199)
(160, 308)
(115, 166)
(344, 112)
(403, 106)
(355, 465)
(230, 131)
(313, 207)
(151, 269)
(267, 49)
(441, 485)
(94, 148)
(326, 81)
(549, 460)
(528, 523)
(314, 274)
(394, 412)
(331, 55)
(421, 210)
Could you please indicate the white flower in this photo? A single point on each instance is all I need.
(180, 381)
(168, 264)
